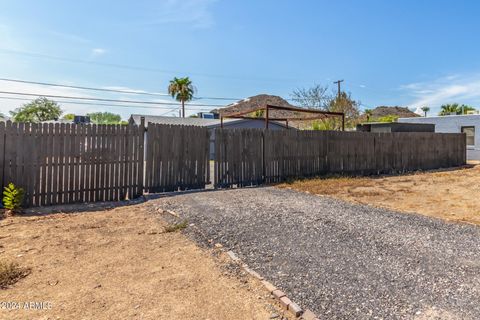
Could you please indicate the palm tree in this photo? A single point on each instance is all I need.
(450, 108)
(425, 110)
(182, 90)
(455, 108)
(465, 109)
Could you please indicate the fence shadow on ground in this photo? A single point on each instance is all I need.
(79, 207)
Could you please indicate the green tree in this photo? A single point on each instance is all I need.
(344, 103)
(425, 109)
(368, 113)
(40, 109)
(455, 108)
(447, 109)
(105, 118)
(389, 118)
(68, 116)
(182, 90)
(325, 124)
(464, 109)
(318, 98)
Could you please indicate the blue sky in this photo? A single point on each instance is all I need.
(409, 53)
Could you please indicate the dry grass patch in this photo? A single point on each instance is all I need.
(10, 273)
(177, 226)
(451, 194)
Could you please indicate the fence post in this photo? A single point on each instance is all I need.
(141, 156)
(2, 156)
(264, 172)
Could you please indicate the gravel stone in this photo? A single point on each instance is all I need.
(341, 260)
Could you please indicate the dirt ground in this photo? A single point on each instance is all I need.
(450, 194)
(121, 264)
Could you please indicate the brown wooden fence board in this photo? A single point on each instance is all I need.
(238, 157)
(289, 154)
(67, 163)
(177, 158)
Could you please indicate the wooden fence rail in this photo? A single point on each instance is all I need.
(68, 163)
(289, 154)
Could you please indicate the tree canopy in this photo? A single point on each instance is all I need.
(40, 109)
(318, 98)
(455, 108)
(182, 90)
(105, 118)
(344, 103)
(425, 109)
(314, 97)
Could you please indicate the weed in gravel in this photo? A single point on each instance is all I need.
(11, 272)
(177, 226)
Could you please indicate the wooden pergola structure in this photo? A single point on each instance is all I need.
(316, 115)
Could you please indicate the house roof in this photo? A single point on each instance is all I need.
(198, 122)
(449, 116)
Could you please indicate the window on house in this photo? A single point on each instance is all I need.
(470, 131)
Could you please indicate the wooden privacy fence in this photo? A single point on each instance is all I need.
(286, 154)
(68, 163)
(177, 158)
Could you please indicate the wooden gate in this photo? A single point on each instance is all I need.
(177, 158)
(238, 157)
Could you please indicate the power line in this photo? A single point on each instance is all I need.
(109, 90)
(104, 104)
(218, 98)
(130, 67)
(118, 90)
(171, 110)
(107, 100)
(86, 88)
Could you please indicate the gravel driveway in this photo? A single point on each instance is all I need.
(341, 260)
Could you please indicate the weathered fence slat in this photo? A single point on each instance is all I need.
(177, 158)
(68, 163)
(289, 154)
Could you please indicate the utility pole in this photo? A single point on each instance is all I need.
(338, 84)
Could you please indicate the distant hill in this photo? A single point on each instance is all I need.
(253, 103)
(400, 112)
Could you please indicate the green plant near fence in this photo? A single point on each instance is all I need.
(13, 197)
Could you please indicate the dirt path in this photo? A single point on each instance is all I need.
(451, 195)
(344, 260)
(121, 264)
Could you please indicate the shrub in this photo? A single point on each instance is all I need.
(10, 273)
(12, 197)
(176, 227)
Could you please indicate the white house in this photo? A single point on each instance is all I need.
(468, 124)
